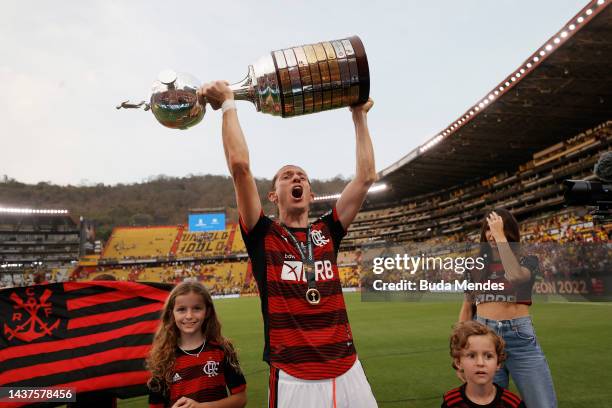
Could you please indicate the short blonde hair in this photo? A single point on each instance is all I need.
(461, 334)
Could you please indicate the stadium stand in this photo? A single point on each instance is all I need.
(349, 276)
(171, 242)
(141, 242)
(36, 245)
(535, 187)
(211, 244)
(170, 254)
(221, 277)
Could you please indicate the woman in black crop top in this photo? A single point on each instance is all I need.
(507, 311)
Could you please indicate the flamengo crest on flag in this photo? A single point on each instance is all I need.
(89, 336)
(34, 327)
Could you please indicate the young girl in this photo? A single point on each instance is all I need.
(191, 363)
(478, 353)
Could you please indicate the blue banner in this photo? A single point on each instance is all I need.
(206, 222)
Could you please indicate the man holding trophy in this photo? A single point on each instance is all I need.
(308, 340)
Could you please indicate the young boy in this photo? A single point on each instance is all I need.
(477, 354)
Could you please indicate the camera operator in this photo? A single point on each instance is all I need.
(594, 193)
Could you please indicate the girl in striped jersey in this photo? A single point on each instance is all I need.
(192, 365)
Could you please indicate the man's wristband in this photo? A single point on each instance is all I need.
(227, 105)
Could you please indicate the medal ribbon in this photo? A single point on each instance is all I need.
(307, 258)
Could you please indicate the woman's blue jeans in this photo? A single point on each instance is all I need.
(525, 362)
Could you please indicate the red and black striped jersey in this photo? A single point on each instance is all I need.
(311, 342)
(515, 293)
(456, 398)
(203, 378)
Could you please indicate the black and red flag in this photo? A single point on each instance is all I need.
(90, 336)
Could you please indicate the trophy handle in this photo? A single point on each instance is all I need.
(132, 105)
(244, 90)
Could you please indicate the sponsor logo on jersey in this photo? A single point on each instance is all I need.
(176, 377)
(294, 271)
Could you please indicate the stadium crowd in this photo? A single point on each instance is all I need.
(535, 187)
(533, 193)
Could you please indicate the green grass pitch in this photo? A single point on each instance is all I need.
(404, 349)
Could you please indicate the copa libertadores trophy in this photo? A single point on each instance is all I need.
(289, 82)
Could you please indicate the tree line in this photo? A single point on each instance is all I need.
(160, 200)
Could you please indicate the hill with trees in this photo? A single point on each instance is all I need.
(160, 200)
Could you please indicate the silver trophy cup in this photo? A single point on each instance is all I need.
(289, 82)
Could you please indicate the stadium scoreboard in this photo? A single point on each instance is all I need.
(207, 222)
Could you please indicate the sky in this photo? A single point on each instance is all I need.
(64, 66)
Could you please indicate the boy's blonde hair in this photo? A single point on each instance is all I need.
(461, 334)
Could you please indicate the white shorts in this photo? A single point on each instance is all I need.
(350, 390)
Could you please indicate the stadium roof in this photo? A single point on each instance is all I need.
(562, 89)
(33, 211)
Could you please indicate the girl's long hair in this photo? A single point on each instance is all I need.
(162, 357)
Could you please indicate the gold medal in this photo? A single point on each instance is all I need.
(313, 296)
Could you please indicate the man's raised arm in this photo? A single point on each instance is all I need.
(236, 152)
(354, 193)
